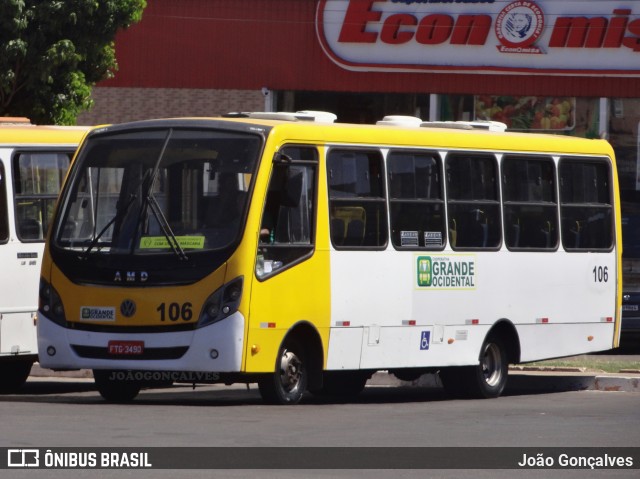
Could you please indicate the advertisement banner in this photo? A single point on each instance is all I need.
(582, 37)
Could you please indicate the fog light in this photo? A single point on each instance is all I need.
(51, 351)
(214, 354)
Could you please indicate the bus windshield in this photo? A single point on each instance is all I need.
(158, 192)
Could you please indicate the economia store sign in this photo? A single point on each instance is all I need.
(582, 37)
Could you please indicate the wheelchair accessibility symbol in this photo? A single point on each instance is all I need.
(425, 340)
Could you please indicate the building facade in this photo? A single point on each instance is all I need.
(569, 67)
(565, 67)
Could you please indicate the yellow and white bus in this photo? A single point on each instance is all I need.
(304, 254)
(33, 162)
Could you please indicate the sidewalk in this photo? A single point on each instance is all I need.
(522, 379)
(39, 372)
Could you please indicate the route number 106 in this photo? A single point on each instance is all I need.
(175, 311)
(600, 274)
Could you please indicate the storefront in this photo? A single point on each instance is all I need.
(569, 67)
(564, 67)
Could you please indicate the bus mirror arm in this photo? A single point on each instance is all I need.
(282, 159)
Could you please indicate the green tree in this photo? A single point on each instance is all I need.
(52, 52)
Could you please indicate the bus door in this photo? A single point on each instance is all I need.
(290, 284)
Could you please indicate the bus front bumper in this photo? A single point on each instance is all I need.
(214, 348)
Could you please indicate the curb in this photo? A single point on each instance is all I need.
(39, 372)
(523, 380)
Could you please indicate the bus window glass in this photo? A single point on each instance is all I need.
(356, 199)
(530, 207)
(472, 201)
(4, 214)
(287, 228)
(38, 177)
(160, 192)
(585, 205)
(415, 200)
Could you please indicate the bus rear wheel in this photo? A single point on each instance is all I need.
(492, 373)
(115, 390)
(289, 382)
(486, 380)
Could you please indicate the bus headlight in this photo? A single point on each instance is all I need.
(50, 304)
(222, 303)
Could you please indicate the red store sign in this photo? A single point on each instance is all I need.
(582, 37)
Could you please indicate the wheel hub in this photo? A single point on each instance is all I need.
(492, 365)
(290, 371)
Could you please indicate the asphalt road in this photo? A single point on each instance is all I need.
(68, 412)
(535, 412)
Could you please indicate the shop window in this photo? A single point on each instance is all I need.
(472, 201)
(288, 220)
(624, 135)
(585, 205)
(415, 200)
(357, 205)
(530, 207)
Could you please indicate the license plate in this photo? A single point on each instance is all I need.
(127, 348)
(629, 307)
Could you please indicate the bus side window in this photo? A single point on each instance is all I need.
(586, 206)
(288, 220)
(4, 214)
(472, 201)
(357, 205)
(415, 200)
(38, 178)
(530, 206)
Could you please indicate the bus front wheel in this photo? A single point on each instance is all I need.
(289, 381)
(113, 389)
(486, 380)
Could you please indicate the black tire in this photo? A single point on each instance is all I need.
(490, 377)
(486, 380)
(115, 390)
(343, 383)
(288, 383)
(13, 375)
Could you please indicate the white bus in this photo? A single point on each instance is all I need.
(306, 255)
(33, 163)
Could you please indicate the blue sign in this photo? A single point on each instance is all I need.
(425, 340)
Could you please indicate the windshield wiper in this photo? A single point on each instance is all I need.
(132, 198)
(166, 228)
(119, 214)
(150, 201)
